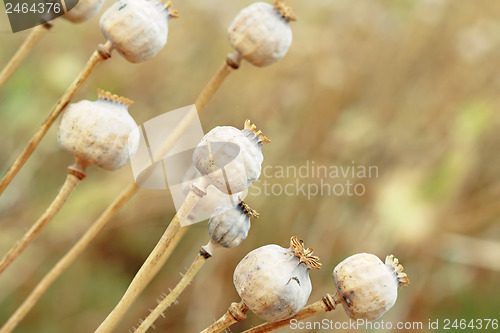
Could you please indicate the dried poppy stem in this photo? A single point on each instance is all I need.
(108, 214)
(102, 53)
(155, 260)
(29, 43)
(68, 259)
(235, 313)
(227, 228)
(326, 304)
(76, 173)
(215, 82)
(198, 262)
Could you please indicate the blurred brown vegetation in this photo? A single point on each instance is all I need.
(408, 86)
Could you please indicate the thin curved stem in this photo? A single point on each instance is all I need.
(203, 98)
(326, 304)
(215, 82)
(102, 53)
(198, 262)
(29, 43)
(75, 175)
(153, 263)
(106, 216)
(68, 258)
(235, 313)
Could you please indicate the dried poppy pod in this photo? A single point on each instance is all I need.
(261, 33)
(231, 158)
(273, 281)
(367, 287)
(229, 225)
(83, 10)
(98, 132)
(137, 28)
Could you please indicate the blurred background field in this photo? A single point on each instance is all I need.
(411, 87)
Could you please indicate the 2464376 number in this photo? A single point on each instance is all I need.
(472, 324)
(35, 8)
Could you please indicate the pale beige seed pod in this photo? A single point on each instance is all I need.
(98, 132)
(83, 10)
(273, 281)
(138, 29)
(231, 158)
(367, 287)
(261, 33)
(229, 225)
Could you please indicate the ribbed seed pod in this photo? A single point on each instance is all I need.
(229, 225)
(273, 281)
(231, 158)
(98, 132)
(261, 33)
(137, 28)
(367, 287)
(83, 10)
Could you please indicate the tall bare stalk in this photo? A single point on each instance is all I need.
(29, 43)
(76, 173)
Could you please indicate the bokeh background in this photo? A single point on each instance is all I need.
(411, 87)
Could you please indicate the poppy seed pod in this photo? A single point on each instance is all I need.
(367, 287)
(273, 281)
(229, 225)
(231, 158)
(137, 28)
(98, 132)
(261, 33)
(83, 10)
